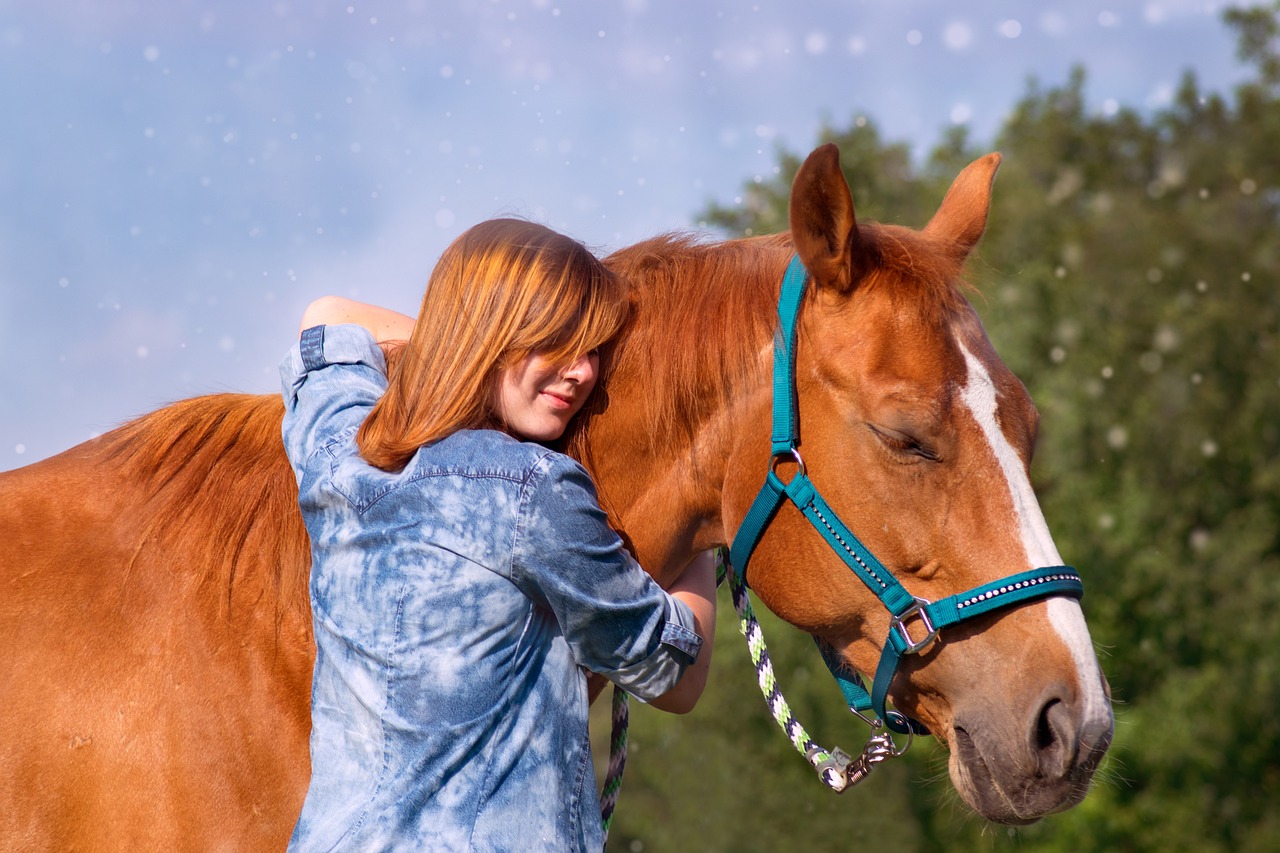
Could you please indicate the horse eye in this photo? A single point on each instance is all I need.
(903, 444)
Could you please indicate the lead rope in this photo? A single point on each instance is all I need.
(617, 761)
(837, 770)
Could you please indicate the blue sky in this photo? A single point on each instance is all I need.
(180, 177)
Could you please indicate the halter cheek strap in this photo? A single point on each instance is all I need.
(907, 613)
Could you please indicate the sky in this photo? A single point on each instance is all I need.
(179, 178)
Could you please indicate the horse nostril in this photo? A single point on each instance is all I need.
(1054, 738)
(1045, 735)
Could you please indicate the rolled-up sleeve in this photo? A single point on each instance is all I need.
(329, 380)
(617, 620)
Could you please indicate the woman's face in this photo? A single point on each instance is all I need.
(536, 398)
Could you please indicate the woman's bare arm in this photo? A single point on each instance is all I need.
(384, 324)
(696, 587)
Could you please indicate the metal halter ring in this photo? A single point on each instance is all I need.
(793, 453)
(917, 609)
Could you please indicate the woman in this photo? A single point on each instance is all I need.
(463, 575)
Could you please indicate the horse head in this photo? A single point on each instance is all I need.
(921, 438)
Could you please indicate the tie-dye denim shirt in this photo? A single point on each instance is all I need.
(454, 603)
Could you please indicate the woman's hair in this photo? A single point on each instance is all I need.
(504, 289)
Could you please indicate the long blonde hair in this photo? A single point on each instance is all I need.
(504, 289)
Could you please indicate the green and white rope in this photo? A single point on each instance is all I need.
(617, 759)
(834, 767)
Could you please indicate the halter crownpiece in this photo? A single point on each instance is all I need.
(907, 612)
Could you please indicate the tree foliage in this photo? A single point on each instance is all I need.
(1129, 276)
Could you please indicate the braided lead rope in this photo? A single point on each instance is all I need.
(835, 768)
(617, 760)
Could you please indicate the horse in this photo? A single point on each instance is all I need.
(156, 638)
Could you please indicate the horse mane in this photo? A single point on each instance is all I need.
(701, 316)
(703, 311)
(917, 268)
(219, 491)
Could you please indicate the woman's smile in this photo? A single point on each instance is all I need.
(537, 398)
(559, 401)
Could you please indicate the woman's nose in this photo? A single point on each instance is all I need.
(581, 369)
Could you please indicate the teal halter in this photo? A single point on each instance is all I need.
(903, 607)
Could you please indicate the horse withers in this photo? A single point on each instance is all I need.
(153, 581)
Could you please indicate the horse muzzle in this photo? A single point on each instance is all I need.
(1017, 771)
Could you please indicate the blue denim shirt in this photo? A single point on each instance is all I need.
(454, 603)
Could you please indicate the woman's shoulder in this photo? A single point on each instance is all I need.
(486, 452)
(470, 463)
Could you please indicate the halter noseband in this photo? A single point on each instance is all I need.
(905, 610)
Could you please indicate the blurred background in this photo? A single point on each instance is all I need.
(180, 178)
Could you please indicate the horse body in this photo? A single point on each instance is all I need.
(157, 659)
(153, 586)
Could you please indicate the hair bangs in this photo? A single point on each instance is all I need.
(579, 307)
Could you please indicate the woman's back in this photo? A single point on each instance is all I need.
(453, 602)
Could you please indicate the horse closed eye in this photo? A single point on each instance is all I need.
(903, 445)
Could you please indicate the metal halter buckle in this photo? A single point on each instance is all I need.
(899, 625)
(881, 742)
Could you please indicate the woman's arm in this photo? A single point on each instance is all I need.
(696, 588)
(615, 618)
(384, 324)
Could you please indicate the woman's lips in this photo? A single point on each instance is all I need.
(558, 401)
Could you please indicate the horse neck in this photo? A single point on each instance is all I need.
(696, 351)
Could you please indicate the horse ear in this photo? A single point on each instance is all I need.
(823, 226)
(963, 215)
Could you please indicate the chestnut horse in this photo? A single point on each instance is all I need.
(154, 624)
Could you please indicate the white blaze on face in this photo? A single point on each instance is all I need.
(979, 395)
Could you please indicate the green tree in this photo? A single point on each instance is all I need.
(725, 778)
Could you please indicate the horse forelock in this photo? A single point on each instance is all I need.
(216, 498)
(918, 271)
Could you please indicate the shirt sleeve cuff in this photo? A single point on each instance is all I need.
(679, 631)
(321, 346)
(659, 672)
